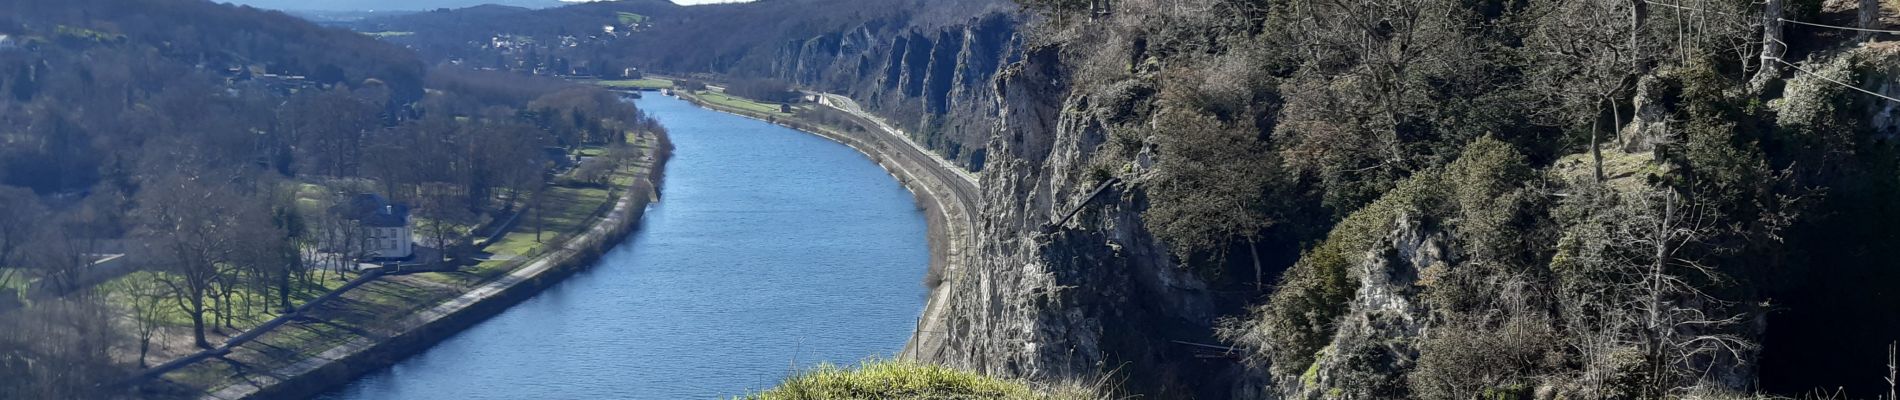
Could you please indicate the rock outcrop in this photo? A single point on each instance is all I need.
(1097, 295)
(932, 82)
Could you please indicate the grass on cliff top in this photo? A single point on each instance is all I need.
(1624, 171)
(904, 380)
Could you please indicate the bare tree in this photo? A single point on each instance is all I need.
(1893, 371)
(195, 222)
(1636, 283)
(20, 212)
(444, 216)
(60, 251)
(146, 298)
(1587, 64)
(58, 349)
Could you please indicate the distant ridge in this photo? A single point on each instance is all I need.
(384, 5)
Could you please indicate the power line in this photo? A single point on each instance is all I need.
(1831, 80)
(1785, 46)
(1679, 6)
(1839, 27)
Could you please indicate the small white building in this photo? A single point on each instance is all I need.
(384, 227)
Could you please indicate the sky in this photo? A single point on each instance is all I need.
(408, 5)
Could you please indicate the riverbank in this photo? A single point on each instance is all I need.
(948, 196)
(393, 317)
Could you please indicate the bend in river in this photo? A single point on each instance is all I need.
(772, 250)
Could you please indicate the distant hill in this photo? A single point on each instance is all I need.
(385, 5)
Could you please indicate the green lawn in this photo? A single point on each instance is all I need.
(379, 305)
(643, 83)
(741, 103)
(16, 279)
(312, 198)
(116, 293)
(570, 209)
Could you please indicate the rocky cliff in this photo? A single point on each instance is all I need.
(1430, 239)
(930, 79)
(1091, 296)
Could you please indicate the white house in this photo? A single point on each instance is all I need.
(384, 227)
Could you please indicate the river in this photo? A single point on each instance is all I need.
(771, 250)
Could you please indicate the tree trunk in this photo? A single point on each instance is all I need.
(1639, 16)
(1657, 330)
(1772, 45)
(1259, 274)
(1869, 17)
(145, 346)
(540, 220)
(1616, 122)
(226, 308)
(198, 323)
(1893, 371)
(1596, 148)
(283, 286)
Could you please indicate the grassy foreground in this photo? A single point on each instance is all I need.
(905, 380)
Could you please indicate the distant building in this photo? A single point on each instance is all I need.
(7, 42)
(383, 226)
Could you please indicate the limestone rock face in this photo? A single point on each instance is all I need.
(1053, 303)
(1378, 337)
(932, 82)
(1097, 293)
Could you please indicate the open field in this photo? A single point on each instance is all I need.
(627, 18)
(16, 279)
(643, 83)
(741, 103)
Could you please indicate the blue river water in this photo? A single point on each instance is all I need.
(771, 250)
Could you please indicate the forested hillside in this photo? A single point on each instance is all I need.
(1444, 200)
(1383, 199)
(1525, 199)
(167, 166)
